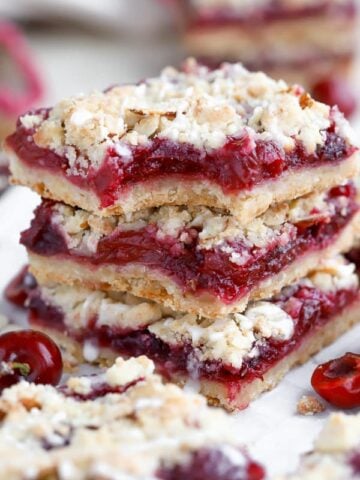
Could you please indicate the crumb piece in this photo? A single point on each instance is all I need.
(309, 405)
(80, 385)
(140, 367)
(4, 321)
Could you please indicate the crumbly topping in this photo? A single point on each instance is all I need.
(309, 405)
(31, 120)
(80, 385)
(116, 435)
(198, 106)
(334, 274)
(337, 443)
(229, 339)
(124, 372)
(211, 228)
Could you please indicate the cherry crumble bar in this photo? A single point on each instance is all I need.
(195, 259)
(233, 358)
(336, 455)
(121, 424)
(297, 40)
(224, 138)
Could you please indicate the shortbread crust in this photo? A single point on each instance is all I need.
(245, 206)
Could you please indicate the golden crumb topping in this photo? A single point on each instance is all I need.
(196, 105)
(211, 228)
(309, 405)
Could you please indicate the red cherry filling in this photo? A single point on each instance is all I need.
(196, 270)
(237, 165)
(30, 355)
(338, 381)
(309, 307)
(214, 465)
(354, 462)
(20, 287)
(335, 91)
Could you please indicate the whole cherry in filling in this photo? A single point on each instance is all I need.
(29, 355)
(20, 287)
(338, 381)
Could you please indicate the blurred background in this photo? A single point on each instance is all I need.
(79, 45)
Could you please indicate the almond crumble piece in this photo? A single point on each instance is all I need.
(310, 405)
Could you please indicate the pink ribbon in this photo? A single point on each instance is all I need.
(13, 103)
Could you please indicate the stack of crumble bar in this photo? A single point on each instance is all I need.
(197, 218)
(306, 41)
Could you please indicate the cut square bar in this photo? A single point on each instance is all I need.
(224, 138)
(300, 41)
(231, 359)
(193, 260)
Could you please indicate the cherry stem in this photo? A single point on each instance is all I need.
(11, 367)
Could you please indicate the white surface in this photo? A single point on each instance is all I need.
(75, 62)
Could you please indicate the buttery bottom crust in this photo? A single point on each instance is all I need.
(245, 206)
(217, 393)
(153, 286)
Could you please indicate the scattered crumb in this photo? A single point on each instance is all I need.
(69, 366)
(309, 405)
(3, 321)
(105, 362)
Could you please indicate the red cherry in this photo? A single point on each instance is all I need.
(30, 355)
(20, 286)
(255, 471)
(336, 91)
(338, 381)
